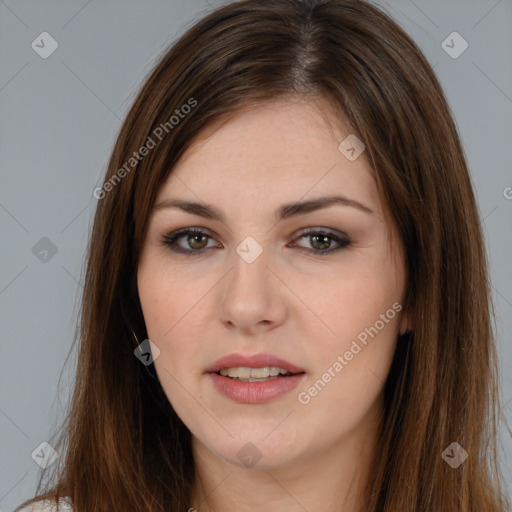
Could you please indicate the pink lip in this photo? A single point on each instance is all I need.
(254, 361)
(254, 392)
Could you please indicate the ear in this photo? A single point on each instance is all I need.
(406, 323)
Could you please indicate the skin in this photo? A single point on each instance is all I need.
(303, 307)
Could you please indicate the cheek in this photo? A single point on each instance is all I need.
(174, 319)
(169, 319)
(354, 300)
(350, 369)
(164, 298)
(362, 310)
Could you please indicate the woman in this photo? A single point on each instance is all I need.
(286, 301)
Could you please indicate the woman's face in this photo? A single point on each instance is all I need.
(278, 278)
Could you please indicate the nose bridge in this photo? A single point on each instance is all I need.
(250, 262)
(249, 293)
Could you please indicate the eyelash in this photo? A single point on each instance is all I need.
(170, 240)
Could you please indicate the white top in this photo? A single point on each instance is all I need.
(48, 506)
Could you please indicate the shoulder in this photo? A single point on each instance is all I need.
(47, 506)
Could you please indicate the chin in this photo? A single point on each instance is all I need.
(253, 451)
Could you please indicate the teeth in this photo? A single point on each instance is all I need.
(243, 372)
(274, 371)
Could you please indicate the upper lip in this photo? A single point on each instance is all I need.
(254, 361)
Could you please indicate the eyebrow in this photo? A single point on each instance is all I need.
(283, 212)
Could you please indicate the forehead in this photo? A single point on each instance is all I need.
(277, 151)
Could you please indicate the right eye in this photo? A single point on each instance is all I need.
(186, 241)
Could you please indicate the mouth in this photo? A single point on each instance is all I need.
(254, 379)
(256, 366)
(247, 374)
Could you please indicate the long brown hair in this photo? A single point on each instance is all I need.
(125, 448)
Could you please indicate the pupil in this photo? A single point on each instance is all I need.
(193, 238)
(325, 244)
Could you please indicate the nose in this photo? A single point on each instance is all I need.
(252, 298)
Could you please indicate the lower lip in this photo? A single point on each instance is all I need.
(255, 392)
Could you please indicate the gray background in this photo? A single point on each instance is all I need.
(59, 119)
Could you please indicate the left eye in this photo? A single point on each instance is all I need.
(197, 241)
(321, 241)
